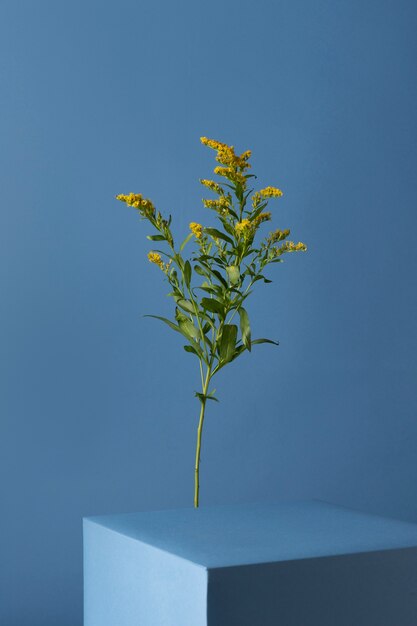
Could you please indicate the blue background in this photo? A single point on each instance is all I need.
(97, 406)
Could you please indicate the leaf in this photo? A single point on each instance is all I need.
(259, 210)
(186, 240)
(213, 305)
(245, 328)
(186, 305)
(238, 351)
(190, 349)
(203, 398)
(187, 273)
(199, 270)
(247, 194)
(233, 273)
(276, 343)
(195, 345)
(207, 288)
(228, 342)
(189, 329)
(219, 277)
(164, 319)
(218, 233)
(156, 237)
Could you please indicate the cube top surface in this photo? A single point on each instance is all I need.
(244, 534)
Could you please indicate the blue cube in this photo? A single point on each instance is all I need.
(298, 563)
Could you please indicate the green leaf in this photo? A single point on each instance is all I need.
(186, 240)
(233, 273)
(156, 237)
(186, 305)
(259, 210)
(195, 345)
(211, 396)
(164, 319)
(208, 289)
(199, 270)
(190, 349)
(245, 328)
(228, 342)
(198, 350)
(203, 398)
(217, 274)
(239, 350)
(187, 273)
(276, 343)
(218, 233)
(213, 305)
(189, 329)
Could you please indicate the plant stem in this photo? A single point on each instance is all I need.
(199, 435)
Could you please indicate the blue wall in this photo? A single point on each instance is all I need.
(97, 411)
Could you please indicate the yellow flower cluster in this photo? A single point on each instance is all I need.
(221, 205)
(246, 155)
(278, 235)
(212, 143)
(226, 154)
(244, 227)
(262, 217)
(230, 173)
(137, 201)
(196, 229)
(211, 185)
(256, 199)
(155, 257)
(298, 246)
(269, 192)
(247, 227)
(290, 246)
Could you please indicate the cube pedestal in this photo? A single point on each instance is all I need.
(303, 563)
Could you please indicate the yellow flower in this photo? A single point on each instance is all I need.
(301, 246)
(196, 229)
(156, 258)
(246, 155)
(231, 174)
(212, 143)
(211, 185)
(223, 171)
(137, 201)
(262, 217)
(226, 154)
(269, 192)
(243, 227)
(290, 246)
(221, 205)
(256, 199)
(278, 235)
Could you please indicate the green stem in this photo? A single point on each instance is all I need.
(199, 436)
